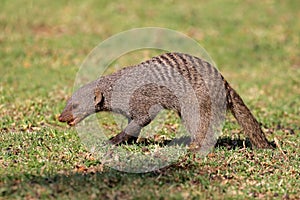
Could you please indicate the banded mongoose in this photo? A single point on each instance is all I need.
(111, 92)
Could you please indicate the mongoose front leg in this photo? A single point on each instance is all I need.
(131, 131)
(121, 137)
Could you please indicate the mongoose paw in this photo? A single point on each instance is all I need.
(121, 138)
(115, 140)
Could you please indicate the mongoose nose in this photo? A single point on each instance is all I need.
(60, 118)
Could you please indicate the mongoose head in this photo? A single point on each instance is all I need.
(84, 102)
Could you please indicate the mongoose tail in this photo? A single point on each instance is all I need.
(245, 119)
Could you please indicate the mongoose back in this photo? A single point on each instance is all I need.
(200, 87)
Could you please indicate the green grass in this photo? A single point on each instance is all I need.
(42, 44)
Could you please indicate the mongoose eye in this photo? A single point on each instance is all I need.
(74, 106)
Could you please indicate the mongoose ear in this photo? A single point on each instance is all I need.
(98, 97)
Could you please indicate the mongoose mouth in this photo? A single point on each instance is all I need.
(71, 121)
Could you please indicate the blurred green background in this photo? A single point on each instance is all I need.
(255, 45)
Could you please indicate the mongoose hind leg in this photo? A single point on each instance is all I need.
(200, 123)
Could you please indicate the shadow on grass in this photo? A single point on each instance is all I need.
(111, 183)
(107, 184)
(226, 142)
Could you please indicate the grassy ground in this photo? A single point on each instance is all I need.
(42, 43)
